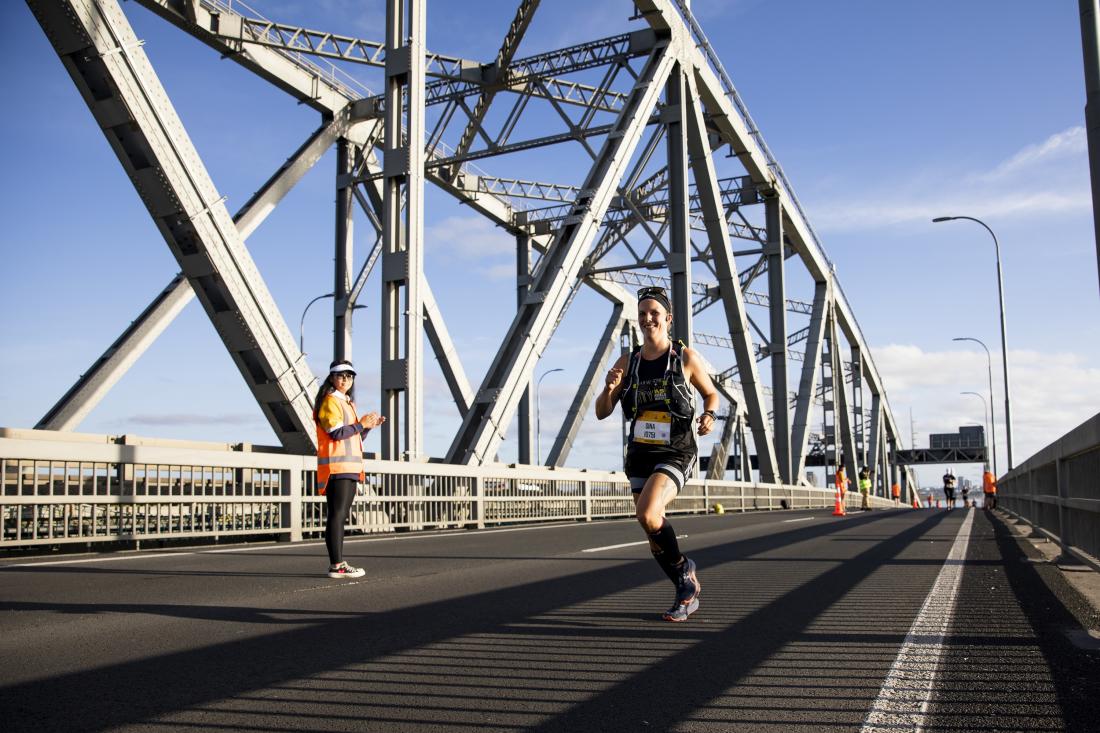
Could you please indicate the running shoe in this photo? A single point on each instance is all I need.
(343, 570)
(687, 585)
(680, 612)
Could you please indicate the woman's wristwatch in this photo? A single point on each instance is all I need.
(713, 415)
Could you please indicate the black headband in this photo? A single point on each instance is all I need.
(657, 294)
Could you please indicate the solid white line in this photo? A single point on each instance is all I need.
(130, 556)
(800, 519)
(615, 547)
(268, 545)
(902, 703)
(626, 544)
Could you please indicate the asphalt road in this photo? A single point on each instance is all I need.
(803, 621)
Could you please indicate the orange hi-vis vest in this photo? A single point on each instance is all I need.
(336, 457)
(841, 480)
(896, 490)
(989, 483)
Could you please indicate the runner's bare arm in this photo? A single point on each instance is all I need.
(613, 387)
(695, 369)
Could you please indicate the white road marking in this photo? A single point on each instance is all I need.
(902, 703)
(137, 555)
(112, 558)
(800, 519)
(626, 544)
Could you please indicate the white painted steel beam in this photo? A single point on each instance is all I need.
(104, 373)
(777, 344)
(343, 261)
(483, 428)
(729, 284)
(874, 443)
(845, 440)
(403, 233)
(807, 387)
(673, 115)
(590, 382)
(101, 53)
(440, 339)
(524, 13)
(729, 116)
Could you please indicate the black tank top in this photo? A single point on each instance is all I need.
(657, 395)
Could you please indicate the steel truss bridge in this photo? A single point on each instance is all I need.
(678, 188)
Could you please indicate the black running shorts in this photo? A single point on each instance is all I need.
(641, 465)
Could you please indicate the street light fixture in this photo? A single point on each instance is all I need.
(538, 416)
(992, 419)
(1004, 338)
(302, 323)
(985, 409)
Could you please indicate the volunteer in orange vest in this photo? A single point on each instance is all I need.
(895, 490)
(989, 488)
(340, 457)
(842, 482)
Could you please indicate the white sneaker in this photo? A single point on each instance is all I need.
(343, 570)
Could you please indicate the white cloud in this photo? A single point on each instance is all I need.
(465, 237)
(1052, 393)
(1046, 178)
(1071, 143)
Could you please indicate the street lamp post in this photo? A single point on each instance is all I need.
(985, 410)
(538, 415)
(992, 419)
(1004, 337)
(302, 323)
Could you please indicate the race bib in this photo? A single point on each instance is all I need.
(653, 427)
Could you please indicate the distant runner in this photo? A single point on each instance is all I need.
(949, 488)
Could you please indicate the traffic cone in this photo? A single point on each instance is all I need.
(916, 504)
(838, 508)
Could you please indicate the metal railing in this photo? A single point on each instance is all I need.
(1057, 491)
(62, 488)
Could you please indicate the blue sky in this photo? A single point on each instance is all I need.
(883, 116)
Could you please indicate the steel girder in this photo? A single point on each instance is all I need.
(101, 53)
(483, 427)
(678, 261)
(593, 375)
(807, 387)
(402, 348)
(726, 121)
(777, 344)
(729, 284)
(727, 114)
(524, 13)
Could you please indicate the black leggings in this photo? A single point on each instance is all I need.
(339, 494)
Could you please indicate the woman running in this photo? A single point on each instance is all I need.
(657, 396)
(340, 457)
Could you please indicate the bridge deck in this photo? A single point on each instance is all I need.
(802, 619)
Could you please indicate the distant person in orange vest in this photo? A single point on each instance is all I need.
(841, 482)
(895, 491)
(340, 457)
(989, 488)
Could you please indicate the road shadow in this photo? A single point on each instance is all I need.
(570, 653)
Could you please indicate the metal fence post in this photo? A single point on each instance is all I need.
(479, 502)
(1065, 539)
(587, 500)
(291, 519)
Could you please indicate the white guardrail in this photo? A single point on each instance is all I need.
(1057, 490)
(61, 487)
